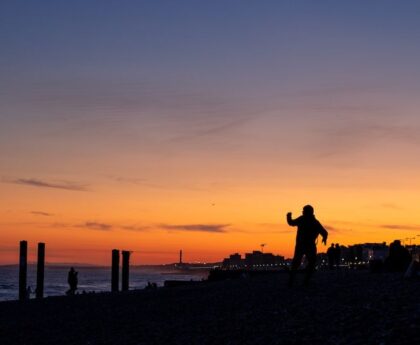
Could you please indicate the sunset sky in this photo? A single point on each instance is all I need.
(155, 126)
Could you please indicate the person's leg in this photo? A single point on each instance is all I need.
(72, 289)
(310, 268)
(297, 259)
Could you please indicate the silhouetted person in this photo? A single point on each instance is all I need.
(399, 257)
(337, 255)
(28, 292)
(307, 233)
(331, 256)
(151, 286)
(72, 281)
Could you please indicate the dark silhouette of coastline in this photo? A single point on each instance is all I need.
(249, 304)
(355, 308)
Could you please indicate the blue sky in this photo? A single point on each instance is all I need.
(194, 69)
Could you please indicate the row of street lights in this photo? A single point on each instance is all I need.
(409, 239)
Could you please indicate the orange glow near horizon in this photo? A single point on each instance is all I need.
(82, 227)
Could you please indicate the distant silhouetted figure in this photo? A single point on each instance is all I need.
(28, 292)
(151, 286)
(72, 281)
(399, 257)
(331, 256)
(308, 230)
(337, 255)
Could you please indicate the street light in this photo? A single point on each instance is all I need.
(410, 238)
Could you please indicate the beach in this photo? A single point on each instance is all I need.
(91, 278)
(347, 307)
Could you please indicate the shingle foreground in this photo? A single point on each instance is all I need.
(353, 307)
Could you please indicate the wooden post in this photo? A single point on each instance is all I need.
(23, 266)
(40, 271)
(115, 271)
(125, 270)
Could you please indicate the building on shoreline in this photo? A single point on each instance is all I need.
(358, 254)
(353, 255)
(254, 260)
(366, 253)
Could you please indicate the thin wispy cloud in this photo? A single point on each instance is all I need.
(348, 137)
(213, 130)
(128, 180)
(90, 225)
(138, 228)
(391, 206)
(332, 228)
(289, 230)
(41, 213)
(66, 185)
(216, 228)
(401, 227)
(125, 96)
(96, 226)
(102, 226)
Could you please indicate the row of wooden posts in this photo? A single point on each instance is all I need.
(39, 292)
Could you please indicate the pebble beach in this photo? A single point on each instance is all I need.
(339, 307)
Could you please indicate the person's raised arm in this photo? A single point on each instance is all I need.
(290, 221)
(324, 233)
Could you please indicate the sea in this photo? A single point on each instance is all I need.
(91, 279)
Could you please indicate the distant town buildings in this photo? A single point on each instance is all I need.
(360, 254)
(352, 255)
(255, 260)
(368, 251)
